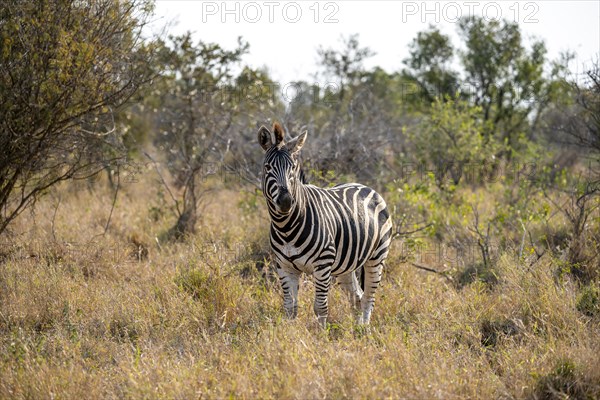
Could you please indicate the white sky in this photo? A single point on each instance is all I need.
(286, 34)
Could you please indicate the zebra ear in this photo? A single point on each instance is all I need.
(295, 145)
(278, 132)
(266, 138)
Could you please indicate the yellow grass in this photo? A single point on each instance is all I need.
(128, 315)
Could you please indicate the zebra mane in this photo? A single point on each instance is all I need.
(303, 177)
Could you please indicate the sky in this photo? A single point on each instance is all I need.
(284, 35)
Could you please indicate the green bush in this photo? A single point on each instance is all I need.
(588, 301)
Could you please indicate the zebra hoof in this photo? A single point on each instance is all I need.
(322, 321)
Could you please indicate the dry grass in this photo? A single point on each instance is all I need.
(126, 315)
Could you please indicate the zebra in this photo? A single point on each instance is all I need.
(324, 232)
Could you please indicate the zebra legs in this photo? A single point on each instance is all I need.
(350, 284)
(322, 284)
(289, 284)
(372, 278)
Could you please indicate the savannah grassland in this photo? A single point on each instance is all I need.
(492, 286)
(129, 314)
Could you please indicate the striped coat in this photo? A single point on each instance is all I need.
(324, 232)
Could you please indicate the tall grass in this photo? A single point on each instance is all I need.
(128, 315)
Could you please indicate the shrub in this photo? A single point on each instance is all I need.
(588, 301)
(565, 381)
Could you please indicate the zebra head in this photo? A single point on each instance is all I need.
(282, 175)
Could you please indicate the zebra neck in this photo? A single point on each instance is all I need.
(286, 223)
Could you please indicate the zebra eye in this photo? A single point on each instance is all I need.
(268, 168)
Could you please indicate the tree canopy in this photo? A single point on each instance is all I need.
(65, 67)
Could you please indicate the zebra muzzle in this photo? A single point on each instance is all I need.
(284, 201)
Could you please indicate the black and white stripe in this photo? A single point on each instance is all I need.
(324, 232)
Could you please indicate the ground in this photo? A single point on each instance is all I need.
(128, 314)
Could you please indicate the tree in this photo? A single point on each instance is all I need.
(499, 74)
(505, 79)
(206, 118)
(258, 99)
(347, 64)
(199, 101)
(579, 126)
(429, 75)
(583, 125)
(65, 67)
(340, 112)
(450, 141)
